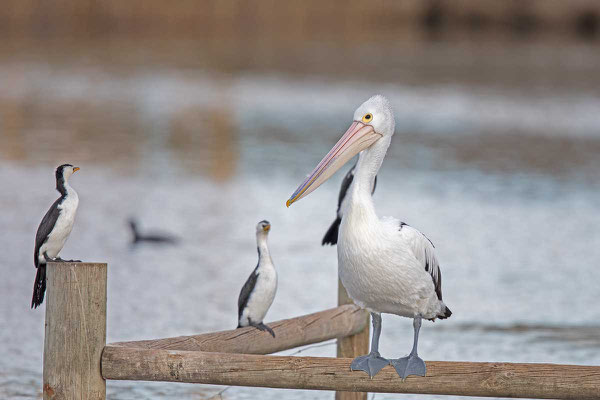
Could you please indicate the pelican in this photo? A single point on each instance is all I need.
(385, 265)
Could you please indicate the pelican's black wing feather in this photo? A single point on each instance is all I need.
(331, 236)
(45, 228)
(346, 182)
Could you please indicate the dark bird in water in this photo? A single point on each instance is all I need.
(259, 290)
(331, 236)
(54, 230)
(138, 237)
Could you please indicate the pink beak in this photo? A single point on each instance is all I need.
(357, 138)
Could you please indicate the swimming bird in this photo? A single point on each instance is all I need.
(54, 230)
(331, 236)
(385, 265)
(259, 290)
(138, 237)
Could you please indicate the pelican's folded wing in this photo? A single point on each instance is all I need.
(424, 251)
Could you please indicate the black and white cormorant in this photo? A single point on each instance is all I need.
(54, 230)
(331, 236)
(259, 290)
(138, 237)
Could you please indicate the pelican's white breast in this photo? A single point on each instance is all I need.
(379, 270)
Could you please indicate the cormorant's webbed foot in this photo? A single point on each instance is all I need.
(58, 259)
(409, 365)
(372, 363)
(264, 328)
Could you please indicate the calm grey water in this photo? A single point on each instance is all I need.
(504, 180)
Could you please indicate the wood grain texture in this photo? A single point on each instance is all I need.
(540, 381)
(289, 333)
(75, 332)
(353, 345)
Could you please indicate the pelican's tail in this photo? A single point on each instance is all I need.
(39, 286)
(331, 236)
(446, 313)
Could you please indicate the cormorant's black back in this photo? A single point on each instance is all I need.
(46, 227)
(41, 236)
(246, 291)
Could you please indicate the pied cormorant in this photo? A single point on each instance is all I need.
(54, 230)
(259, 290)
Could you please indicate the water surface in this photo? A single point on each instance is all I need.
(502, 178)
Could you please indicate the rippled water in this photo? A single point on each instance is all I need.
(503, 180)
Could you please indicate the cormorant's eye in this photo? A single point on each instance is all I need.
(367, 118)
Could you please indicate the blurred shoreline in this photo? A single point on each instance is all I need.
(340, 21)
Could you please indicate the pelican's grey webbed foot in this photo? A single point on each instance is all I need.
(372, 363)
(411, 364)
(264, 328)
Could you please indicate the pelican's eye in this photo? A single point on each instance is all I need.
(367, 118)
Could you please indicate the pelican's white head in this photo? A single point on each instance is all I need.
(377, 113)
(373, 121)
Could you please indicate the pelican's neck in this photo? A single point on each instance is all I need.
(263, 249)
(369, 162)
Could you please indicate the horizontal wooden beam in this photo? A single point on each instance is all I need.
(289, 333)
(540, 381)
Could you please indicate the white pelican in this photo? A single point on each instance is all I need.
(331, 236)
(259, 290)
(54, 230)
(385, 265)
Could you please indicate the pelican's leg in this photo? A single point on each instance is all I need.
(411, 364)
(373, 362)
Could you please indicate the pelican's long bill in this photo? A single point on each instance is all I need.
(357, 138)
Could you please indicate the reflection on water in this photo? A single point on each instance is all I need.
(503, 179)
(203, 138)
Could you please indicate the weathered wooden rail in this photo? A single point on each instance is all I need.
(77, 360)
(542, 381)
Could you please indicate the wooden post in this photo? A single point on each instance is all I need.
(352, 346)
(75, 332)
